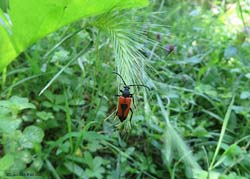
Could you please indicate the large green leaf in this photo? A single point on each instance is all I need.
(29, 20)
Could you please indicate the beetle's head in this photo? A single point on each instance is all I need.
(126, 88)
(126, 92)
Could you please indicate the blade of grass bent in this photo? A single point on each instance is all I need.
(59, 73)
(23, 81)
(52, 169)
(223, 129)
(61, 42)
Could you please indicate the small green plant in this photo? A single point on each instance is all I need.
(20, 147)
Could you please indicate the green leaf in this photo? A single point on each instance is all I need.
(9, 125)
(94, 145)
(201, 174)
(18, 165)
(97, 162)
(60, 56)
(22, 103)
(95, 165)
(31, 135)
(245, 95)
(88, 159)
(200, 132)
(6, 162)
(25, 156)
(229, 154)
(192, 60)
(37, 164)
(15, 104)
(76, 169)
(230, 52)
(34, 134)
(231, 176)
(247, 75)
(63, 148)
(206, 88)
(32, 20)
(45, 115)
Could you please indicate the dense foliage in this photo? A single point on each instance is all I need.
(193, 123)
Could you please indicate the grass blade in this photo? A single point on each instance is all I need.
(68, 120)
(59, 73)
(223, 130)
(61, 42)
(52, 169)
(175, 142)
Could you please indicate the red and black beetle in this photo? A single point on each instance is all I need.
(124, 101)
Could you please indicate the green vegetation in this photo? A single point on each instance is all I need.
(58, 98)
(19, 30)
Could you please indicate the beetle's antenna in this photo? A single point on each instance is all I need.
(120, 77)
(141, 85)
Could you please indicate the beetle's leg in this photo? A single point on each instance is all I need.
(110, 116)
(134, 102)
(131, 115)
(131, 95)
